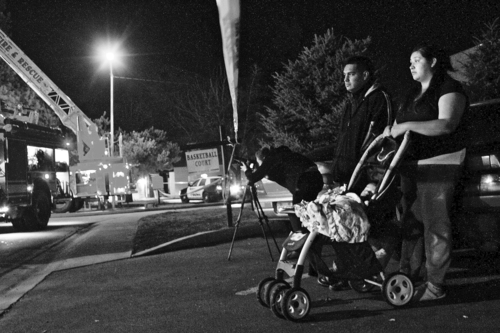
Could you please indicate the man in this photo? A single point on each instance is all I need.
(369, 113)
(291, 170)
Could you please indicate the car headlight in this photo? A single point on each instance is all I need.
(218, 188)
(235, 189)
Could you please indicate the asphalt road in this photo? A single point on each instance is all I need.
(199, 290)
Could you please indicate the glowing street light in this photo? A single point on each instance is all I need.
(111, 55)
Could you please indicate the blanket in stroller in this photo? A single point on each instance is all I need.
(335, 214)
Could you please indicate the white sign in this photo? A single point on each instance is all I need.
(202, 161)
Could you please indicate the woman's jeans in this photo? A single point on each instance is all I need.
(428, 192)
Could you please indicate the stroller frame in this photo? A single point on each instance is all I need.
(293, 303)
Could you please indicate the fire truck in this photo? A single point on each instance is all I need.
(34, 167)
(36, 177)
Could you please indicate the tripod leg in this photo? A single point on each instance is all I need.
(262, 216)
(265, 236)
(237, 223)
(232, 242)
(271, 232)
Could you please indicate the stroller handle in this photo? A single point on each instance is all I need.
(394, 164)
(386, 180)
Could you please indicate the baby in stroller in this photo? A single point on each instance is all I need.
(345, 216)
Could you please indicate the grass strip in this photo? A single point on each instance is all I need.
(161, 228)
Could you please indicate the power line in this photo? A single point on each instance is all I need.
(146, 80)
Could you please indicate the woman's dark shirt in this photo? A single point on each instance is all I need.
(425, 109)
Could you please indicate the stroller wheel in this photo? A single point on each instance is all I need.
(276, 292)
(296, 304)
(398, 289)
(276, 299)
(263, 291)
(361, 286)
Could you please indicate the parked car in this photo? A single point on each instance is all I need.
(208, 189)
(477, 206)
(278, 196)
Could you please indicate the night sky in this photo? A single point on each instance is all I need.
(61, 36)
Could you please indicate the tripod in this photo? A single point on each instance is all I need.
(262, 217)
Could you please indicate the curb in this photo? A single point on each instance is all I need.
(209, 238)
(131, 209)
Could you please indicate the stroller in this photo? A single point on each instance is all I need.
(357, 260)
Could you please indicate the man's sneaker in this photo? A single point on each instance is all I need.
(428, 292)
(312, 271)
(324, 281)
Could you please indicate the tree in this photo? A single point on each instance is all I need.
(4, 16)
(204, 105)
(149, 151)
(309, 95)
(103, 124)
(483, 65)
(17, 99)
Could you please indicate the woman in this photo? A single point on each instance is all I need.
(432, 112)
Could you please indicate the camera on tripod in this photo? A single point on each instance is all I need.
(249, 163)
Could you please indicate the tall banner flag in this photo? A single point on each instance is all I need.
(229, 17)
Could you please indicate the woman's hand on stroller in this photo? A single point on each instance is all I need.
(395, 130)
(387, 131)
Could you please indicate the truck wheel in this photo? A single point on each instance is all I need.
(184, 199)
(77, 205)
(62, 206)
(40, 213)
(206, 197)
(21, 222)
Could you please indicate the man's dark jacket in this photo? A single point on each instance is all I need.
(364, 120)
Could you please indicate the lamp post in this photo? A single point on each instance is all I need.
(110, 56)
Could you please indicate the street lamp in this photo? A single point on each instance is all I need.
(110, 55)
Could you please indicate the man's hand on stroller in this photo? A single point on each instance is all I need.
(367, 193)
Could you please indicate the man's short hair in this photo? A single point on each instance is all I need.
(262, 153)
(363, 63)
